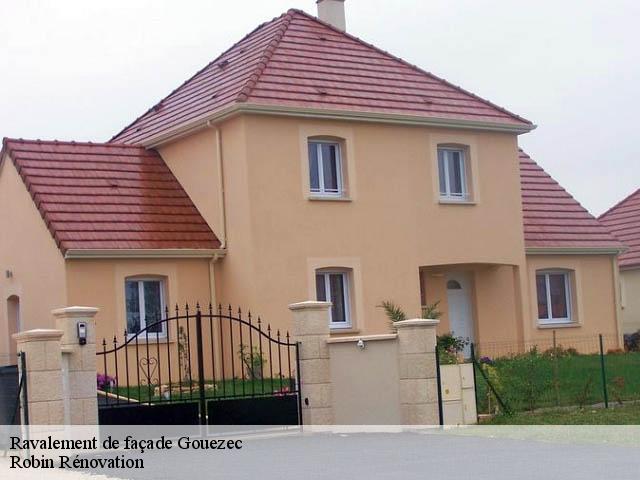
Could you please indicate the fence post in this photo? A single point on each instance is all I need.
(24, 392)
(439, 380)
(475, 381)
(203, 402)
(604, 374)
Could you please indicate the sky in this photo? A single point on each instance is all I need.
(82, 70)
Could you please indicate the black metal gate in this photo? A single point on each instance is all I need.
(13, 387)
(208, 366)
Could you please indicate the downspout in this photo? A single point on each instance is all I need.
(220, 172)
(618, 300)
(222, 233)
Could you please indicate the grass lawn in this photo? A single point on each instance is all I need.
(541, 381)
(620, 415)
(221, 389)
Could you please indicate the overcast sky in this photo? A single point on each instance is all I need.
(81, 70)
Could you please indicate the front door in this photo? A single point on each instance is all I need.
(460, 312)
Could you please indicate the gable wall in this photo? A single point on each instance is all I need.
(28, 250)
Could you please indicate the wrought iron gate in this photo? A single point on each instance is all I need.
(206, 366)
(13, 388)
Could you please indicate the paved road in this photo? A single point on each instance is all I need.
(394, 456)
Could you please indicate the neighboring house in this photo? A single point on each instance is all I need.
(305, 164)
(623, 220)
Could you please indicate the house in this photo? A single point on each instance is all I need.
(623, 220)
(304, 163)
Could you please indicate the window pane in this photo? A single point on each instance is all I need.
(314, 181)
(330, 167)
(133, 307)
(455, 173)
(558, 295)
(321, 292)
(152, 306)
(541, 284)
(441, 173)
(336, 290)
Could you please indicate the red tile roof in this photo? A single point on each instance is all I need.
(623, 220)
(108, 196)
(552, 217)
(297, 60)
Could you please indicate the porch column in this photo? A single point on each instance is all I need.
(311, 329)
(417, 367)
(44, 375)
(78, 365)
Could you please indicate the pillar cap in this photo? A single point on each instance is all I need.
(38, 335)
(417, 322)
(75, 312)
(310, 305)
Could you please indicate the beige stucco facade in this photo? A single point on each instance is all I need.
(32, 280)
(390, 232)
(630, 293)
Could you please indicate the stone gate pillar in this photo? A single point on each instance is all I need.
(78, 365)
(311, 329)
(44, 375)
(417, 371)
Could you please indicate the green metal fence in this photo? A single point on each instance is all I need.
(580, 371)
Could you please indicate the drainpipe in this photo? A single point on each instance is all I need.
(221, 203)
(222, 233)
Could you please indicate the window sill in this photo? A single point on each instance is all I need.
(142, 339)
(339, 330)
(450, 201)
(329, 198)
(546, 326)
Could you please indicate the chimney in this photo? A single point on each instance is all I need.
(332, 12)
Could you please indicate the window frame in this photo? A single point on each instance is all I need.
(142, 309)
(348, 323)
(550, 319)
(464, 196)
(322, 192)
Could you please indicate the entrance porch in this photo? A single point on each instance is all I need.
(479, 302)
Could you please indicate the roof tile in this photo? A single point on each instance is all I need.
(553, 218)
(108, 196)
(623, 220)
(299, 61)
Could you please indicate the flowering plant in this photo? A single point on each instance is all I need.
(282, 392)
(105, 381)
(486, 360)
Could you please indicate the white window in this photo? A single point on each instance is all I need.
(145, 306)
(554, 297)
(333, 286)
(452, 174)
(325, 168)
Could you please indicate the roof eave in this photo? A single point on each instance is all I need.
(213, 253)
(574, 250)
(631, 266)
(329, 114)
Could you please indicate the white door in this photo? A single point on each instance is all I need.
(460, 312)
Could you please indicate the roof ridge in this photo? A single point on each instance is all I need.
(39, 141)
(245, 91)
(619, 204)
(410, 65)
(262, 25)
